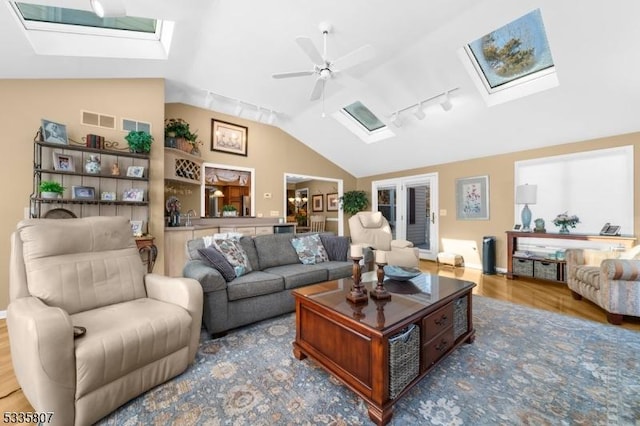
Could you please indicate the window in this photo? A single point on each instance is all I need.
(364, 116)
(362, 122)
(512, 61)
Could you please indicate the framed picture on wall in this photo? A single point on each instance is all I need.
(316, 203)
(332, 202)
(228, 137)
(472, 198)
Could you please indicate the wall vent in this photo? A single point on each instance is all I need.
(97, 119)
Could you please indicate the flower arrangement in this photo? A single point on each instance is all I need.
(564, 221)
(173, 204)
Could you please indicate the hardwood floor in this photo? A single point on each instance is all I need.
(537, 294)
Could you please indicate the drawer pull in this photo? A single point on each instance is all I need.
(441, 346)
(442, 320)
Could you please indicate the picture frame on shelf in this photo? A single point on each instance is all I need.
(133, 195)
(228, 137)
(136, 227)
(83, 192)
(108, 196)
(63, 162)
(317, 203)
(135, 171)
(472, 198)
(53, 132)
(333, 202)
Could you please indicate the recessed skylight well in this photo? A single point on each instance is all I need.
(512, 61)
(72, 32)
(363, 122)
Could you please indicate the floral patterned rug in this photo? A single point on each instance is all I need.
(526, 366)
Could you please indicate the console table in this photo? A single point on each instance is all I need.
(551, 269)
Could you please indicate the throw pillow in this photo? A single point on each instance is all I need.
(310, 249)
(337, 247)
(218, 261)
(235, 254)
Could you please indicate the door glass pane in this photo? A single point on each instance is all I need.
(387, 206)
(418, 202)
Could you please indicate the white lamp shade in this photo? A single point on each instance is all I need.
(217, 194)
(526, 194)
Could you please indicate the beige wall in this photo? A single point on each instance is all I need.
(270, 151)
(500, 170)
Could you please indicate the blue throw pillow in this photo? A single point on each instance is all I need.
(310, 249)
(219, 262)
(235, 254)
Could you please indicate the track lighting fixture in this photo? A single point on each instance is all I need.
(259, 114)
(216, 101)
(418, 109)
(108, 8)
(238, 109)
(272, 118)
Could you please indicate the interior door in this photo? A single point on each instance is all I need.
(410, 206)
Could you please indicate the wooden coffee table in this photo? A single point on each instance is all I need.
(381, 348)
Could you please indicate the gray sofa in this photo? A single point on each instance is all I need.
(264, 292)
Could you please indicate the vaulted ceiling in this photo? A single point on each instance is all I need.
(227, 50)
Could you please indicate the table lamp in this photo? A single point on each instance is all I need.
(526, 194)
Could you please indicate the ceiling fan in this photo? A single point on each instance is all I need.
(323, 67)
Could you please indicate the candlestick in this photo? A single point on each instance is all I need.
(356, 295)
(380, 292)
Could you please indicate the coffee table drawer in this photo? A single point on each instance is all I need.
(435, 323)
(436, 348)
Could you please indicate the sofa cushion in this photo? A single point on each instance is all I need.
(124, 337)
(337, 247)
(235, 254)
(250, 248)
(257, 283)
(275, 250)
(299, 275)
(310, 249)
(218, 261)
(337, 269)
(589, 275)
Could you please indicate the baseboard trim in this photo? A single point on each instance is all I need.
(3, 314)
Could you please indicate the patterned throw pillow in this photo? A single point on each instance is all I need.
(218, 261)
(310, 249)
(337, 247)
(235, 254)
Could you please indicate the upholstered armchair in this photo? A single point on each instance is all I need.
(609, 279)
(371, 229)
(140, 329)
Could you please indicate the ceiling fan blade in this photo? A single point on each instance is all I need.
(292, 74)
(306, 44)
(354, 57)
(318, 88)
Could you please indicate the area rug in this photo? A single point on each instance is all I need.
(526, 367)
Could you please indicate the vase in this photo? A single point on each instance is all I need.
(564, 229)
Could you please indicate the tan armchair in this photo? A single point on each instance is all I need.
(371, 229)
(141, 330)
(611, 280)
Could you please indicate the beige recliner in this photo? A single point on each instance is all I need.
(371, 229)
(141, 329)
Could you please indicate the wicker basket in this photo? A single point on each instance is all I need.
(523, 267)
(546, 270)
(404, 359)
(460, 322)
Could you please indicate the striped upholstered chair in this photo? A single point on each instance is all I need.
(611, 280)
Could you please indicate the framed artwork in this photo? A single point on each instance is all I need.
(135, 171)
(472, 198)
(332, 202)
(83, 192)
(108, 196)
(133, 194)
(228, 137)
(136, 227)
(54, 132)
(63, 162)
(316, 203)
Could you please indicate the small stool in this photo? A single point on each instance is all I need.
(452, 259)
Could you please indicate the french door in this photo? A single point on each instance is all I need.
(410, 206)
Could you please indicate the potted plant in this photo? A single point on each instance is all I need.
(139, 141)
(179, 129)
(50, 189)
(229, 210)
(354, 201)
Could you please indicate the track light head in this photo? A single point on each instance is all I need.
(238, 109)
(259, 115)
(446, 102)
(396, 120)
(418, 112)
(272, 118)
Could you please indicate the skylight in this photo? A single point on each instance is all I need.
(73, 32)
(362, 122)
(512, 57)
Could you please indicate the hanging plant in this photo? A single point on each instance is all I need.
(353, 202)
